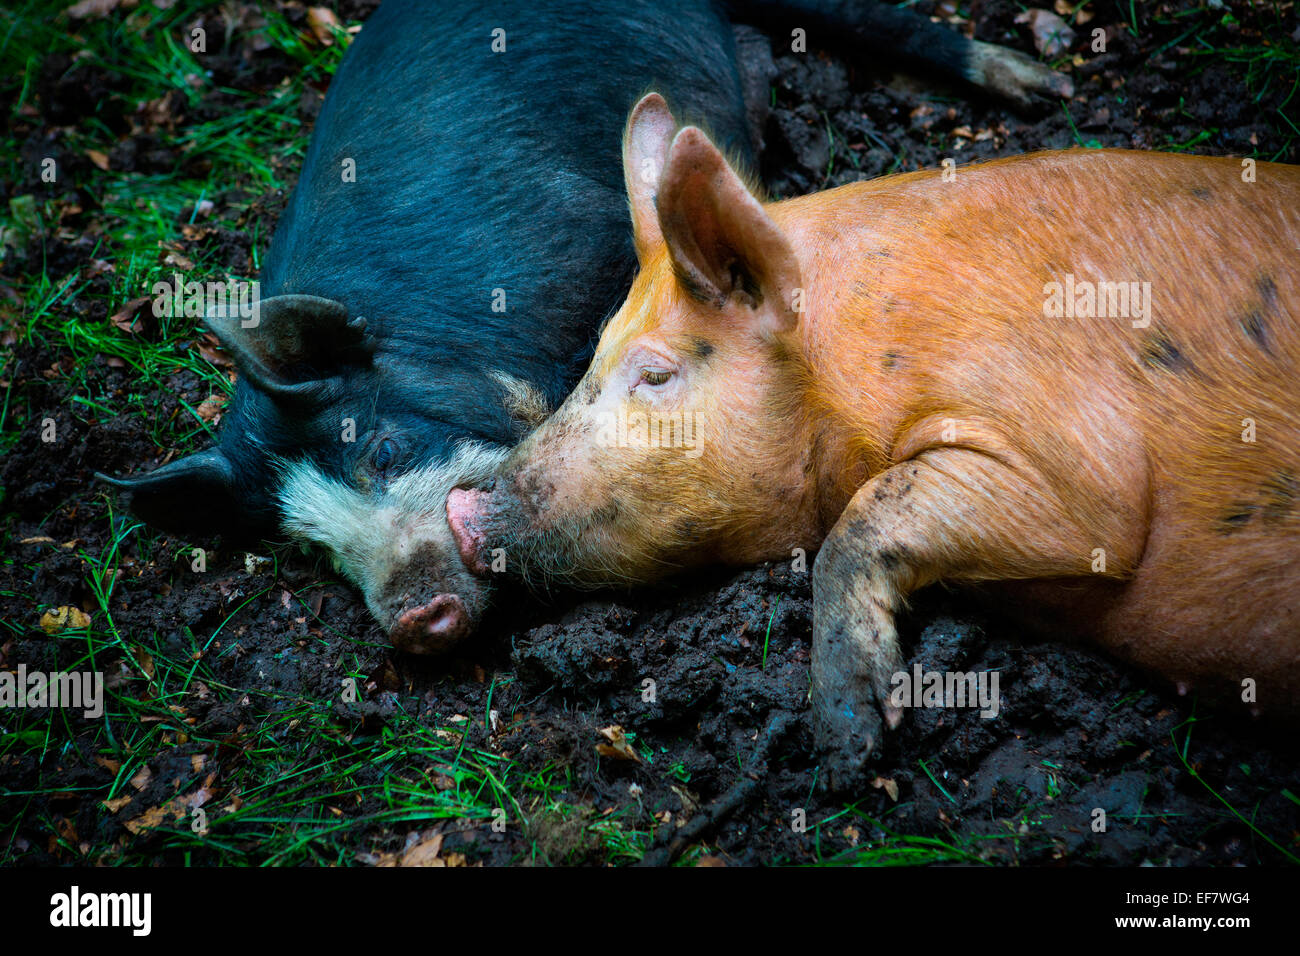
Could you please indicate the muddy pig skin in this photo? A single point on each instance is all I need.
(457, 234)
(1071, 376)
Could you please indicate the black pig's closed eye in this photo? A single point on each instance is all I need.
(655, 376)
(385, 456)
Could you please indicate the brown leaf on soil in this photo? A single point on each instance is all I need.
(117, 804)
(149, 819)
(92, 8)
(1052, 35)
(889, 786)
(427, 853)
(323, 22)
(109, 764)
(99, 159)
(176, 808)
(174, 255)
(210, 408)
(1065, 9)
(618, 748)
(209, 348)
(64, 618)
(711, 861)
(163, 112)
(142, 778)
(440, 780)
(194, 231)
(125, 317)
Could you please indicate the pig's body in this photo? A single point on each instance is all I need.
(888, 371)
(926, 307)
(456, 236)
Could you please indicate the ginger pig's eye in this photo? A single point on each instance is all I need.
(655, 376)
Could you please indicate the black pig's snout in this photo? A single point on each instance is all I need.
(431, 628)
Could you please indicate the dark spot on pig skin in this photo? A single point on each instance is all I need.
(687, 531)
(890, 360)
(1279, 493)
(888, 560)
(1267, 292)
(1236, 517)
(1160, 353)
(1254, 327)
(1201, 193)
(701, 349)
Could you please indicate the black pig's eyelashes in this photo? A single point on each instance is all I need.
(386, 456)
(655, 376)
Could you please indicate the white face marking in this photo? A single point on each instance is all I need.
(372, 536)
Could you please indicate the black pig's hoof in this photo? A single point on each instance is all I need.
(1020, 79)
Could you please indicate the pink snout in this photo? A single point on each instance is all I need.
(465, 518)
(431, 628)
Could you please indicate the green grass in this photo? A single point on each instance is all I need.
(312, 785)
(882, 845)
(239, 154)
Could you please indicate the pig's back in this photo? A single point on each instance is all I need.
(478, 171)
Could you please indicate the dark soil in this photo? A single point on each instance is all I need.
(727, 653)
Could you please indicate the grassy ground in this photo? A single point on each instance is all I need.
(220, 142)
(128, 157)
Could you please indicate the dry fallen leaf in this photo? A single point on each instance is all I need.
(1052, 35)
(99, 159)
(323, 22)
(176, 808)
(890, 787)
(92, 8)
(426, 853)
(210, 349)
(65, 618)
(125, 317)
(210, 408)
(618, 747)
(1065, 9)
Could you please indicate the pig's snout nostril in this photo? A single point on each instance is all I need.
(463, 518)
(431, 628)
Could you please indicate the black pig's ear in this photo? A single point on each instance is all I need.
(724, 247)
(289, 342)
(194, 495)
(646, 140)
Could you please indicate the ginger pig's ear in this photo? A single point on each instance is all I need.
(725, 248)
(646, 139)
